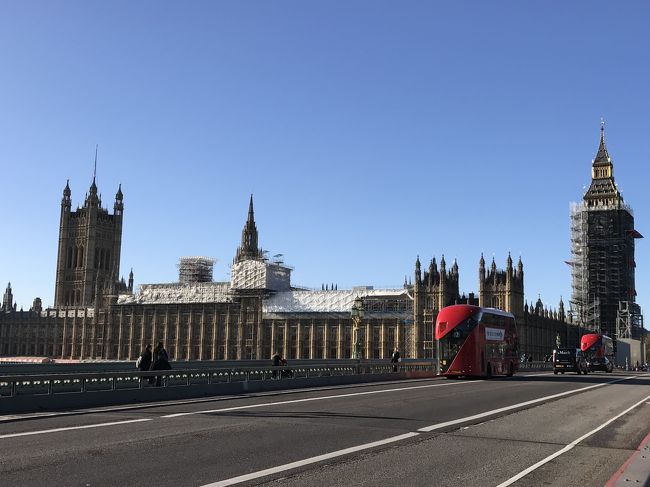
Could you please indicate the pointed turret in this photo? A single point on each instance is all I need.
(130, 288)
(454, 268)
(8, 300)
(418, 272)
(520, 268)
(118, 207)
(66, 201)
(92, 198)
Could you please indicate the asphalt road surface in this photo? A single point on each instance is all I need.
(529, 430)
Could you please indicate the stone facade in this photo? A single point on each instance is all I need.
(250, 317)
(90, 242)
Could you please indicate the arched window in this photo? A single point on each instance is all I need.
(80, 260)
(69, 258)
(108, 260)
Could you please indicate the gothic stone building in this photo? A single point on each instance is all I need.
(255, 314)
(602, 246)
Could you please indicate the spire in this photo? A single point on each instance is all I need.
(481, 262)
(92, 199)
(95, 168)
(8, 300)
(493, 266)
(602, 190)
(443, 264)
(118, 207)
(248, 249)
(509, 261)
(66, 202)
(454, 267)
(602, 156)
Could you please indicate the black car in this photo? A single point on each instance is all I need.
(569, 360)
(602, 363)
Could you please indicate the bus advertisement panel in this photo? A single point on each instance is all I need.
(474, 341)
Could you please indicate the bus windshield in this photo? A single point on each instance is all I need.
(450, 344)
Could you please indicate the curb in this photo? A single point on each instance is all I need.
(635, 470)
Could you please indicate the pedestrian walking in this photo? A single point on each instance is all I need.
(160, 361)
(395, 359)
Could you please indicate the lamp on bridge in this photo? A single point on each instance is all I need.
(357, 315)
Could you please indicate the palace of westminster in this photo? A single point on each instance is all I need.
(98, 316)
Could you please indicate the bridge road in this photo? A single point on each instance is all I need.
(424, 432)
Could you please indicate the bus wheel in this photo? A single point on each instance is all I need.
(555, 372)
(489, 371)
(511, 370)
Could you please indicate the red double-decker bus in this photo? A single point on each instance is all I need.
(598, 349)
(475, 341)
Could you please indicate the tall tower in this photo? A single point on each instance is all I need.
(602, 248)
(248, 249)
(90, 242)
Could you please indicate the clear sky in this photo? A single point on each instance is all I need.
(369, 132)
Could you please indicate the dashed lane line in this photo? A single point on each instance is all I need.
(485, 414)
(366, 446)
(69, 428)
(311, 399)
(182, 402)
(308, 461)
(569, 447)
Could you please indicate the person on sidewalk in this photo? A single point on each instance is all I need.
(395, 359)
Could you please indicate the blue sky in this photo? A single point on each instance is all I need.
(369, 132)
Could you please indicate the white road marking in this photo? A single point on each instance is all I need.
(326, 456)
(180, 402)
(537, 375)
(87, 426)
(308, 461)
(484, 414)
(311, 399)
(570, 446)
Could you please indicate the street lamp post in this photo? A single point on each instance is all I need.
(357, 315)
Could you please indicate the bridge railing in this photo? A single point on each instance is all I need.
(52, 383)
